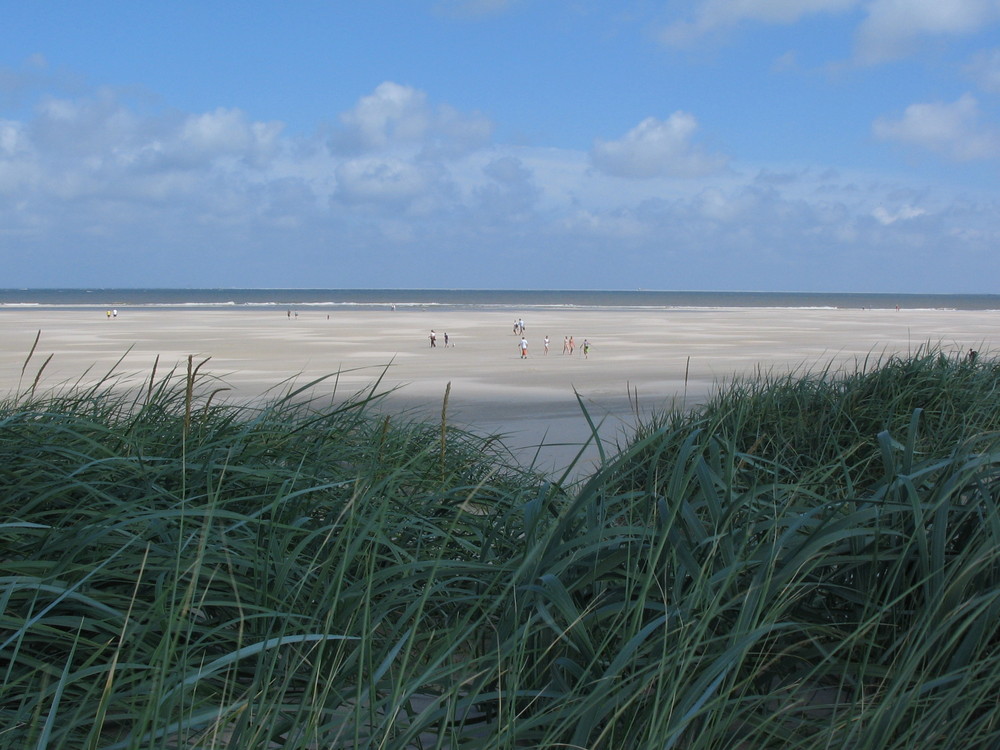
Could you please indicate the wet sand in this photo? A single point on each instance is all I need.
(645, 359)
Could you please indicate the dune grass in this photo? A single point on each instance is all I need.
(806, 561)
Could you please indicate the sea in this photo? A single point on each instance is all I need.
(483, 299)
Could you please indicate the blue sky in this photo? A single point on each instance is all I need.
(772, 145)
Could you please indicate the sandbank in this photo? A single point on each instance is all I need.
(648, 359)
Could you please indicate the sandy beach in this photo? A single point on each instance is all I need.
(656, 357)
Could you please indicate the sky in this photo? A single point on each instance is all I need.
(758, 145)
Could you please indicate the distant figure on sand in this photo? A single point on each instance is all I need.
(524, 348)
(571, 345)
(565, 344)
(445, 339)
(434, 339)
(586, 349)
(545, 343)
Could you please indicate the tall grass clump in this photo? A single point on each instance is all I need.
(178, 572)
(820, 428)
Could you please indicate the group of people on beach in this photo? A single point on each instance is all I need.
(569, 346)
(433, 338)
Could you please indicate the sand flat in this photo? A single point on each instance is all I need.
(664, 356)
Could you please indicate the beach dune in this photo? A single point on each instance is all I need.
(645, 360)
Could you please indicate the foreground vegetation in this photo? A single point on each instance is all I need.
(806, 561)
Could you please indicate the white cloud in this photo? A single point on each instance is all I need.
(391, 184)
(227, 131)
(954, 130)
(508, 171)
(614, 226)
(455, 132)
(714, 15)
(12, 138)
(395, 116)
(984, 67)
(903, 213)
(656, 148)
(889, 29)
(510, 193)
(892, 27)
(379, 180)
(392, 113)
(18, 165)
(82, 125)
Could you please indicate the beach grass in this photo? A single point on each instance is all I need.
(804, 561)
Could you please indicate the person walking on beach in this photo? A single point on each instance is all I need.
(565, 344)
(571, 346)
(434, 339)
(586, 349)
(445, 339)
(545, 344)
(524, 348)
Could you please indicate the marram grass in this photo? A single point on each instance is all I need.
(809, 561)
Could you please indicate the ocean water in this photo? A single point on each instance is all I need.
(473, 299)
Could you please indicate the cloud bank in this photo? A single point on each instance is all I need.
(101, 187)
